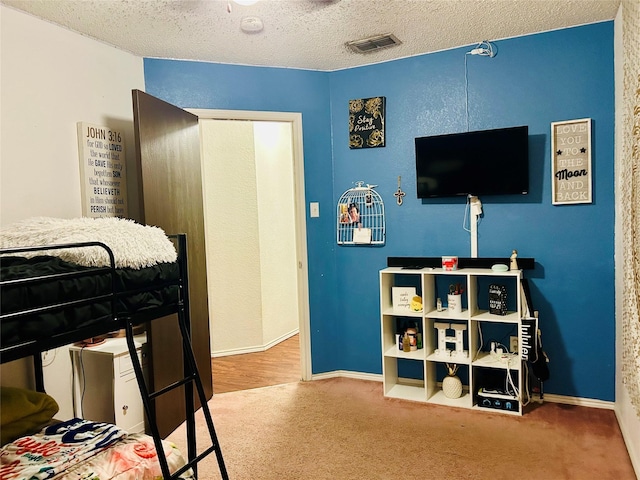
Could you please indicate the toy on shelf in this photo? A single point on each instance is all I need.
(416, 303)
(514, 260)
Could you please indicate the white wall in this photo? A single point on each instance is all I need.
(51, 79)
(231, 223)
(250, 223)
(628, 419)
(276, 220)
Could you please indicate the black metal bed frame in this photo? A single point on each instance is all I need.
(115, 322)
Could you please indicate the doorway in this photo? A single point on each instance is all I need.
(256, 245)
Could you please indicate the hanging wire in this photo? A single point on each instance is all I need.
(466, 90)
(483, 49)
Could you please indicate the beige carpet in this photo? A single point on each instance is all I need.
(343, 429)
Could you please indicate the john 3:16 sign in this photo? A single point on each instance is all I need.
(571, 161)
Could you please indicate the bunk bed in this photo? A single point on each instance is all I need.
(75, 280)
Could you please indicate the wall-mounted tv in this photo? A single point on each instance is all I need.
(484, 162)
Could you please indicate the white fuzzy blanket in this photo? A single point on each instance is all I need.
(133, 245)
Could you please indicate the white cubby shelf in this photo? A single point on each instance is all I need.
(417, 375)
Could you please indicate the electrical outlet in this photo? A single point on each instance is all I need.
(513, 344)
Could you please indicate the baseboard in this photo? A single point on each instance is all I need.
(582, 402)
(254, 349)
(375, 377)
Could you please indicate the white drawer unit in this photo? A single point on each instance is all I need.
(105, 385)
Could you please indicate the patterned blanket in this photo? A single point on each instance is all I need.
(84, 450)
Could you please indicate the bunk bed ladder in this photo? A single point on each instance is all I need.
(191, 377)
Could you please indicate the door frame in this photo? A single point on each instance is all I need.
(295, 119)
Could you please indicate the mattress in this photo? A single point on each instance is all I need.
(81, 449)
(50, 283)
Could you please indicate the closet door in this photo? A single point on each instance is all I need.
(170, 191)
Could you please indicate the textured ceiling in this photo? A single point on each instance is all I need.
(308, 34)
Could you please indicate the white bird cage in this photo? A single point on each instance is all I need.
(360, 216)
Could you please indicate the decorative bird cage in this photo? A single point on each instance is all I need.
(360, 216)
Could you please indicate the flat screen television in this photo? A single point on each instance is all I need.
(484, 162)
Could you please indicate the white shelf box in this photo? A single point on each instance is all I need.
(442, 359)
(440, 398)
(486, 360)
(493, 410)
(397, 387)
(485, 316)
(445, 315)
(402, 391)
(401, 313)
(395, 352)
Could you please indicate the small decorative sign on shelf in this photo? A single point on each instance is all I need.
(402, 297)
(497, 299)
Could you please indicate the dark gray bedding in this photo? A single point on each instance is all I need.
(134, 290)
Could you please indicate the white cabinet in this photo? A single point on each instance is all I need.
(105, 385)
(491, 380)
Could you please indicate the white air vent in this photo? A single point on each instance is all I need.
(373, 44)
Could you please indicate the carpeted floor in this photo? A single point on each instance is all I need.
(344, 429)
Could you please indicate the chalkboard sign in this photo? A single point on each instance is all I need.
(571, 161)
(366, 122)
(497, 299)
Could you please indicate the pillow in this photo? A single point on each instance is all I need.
(133, 245)
(24, 412)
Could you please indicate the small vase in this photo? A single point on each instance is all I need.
(452, 386)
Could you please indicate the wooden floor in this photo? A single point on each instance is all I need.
(279, 364)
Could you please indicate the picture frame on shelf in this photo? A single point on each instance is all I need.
(401, 298)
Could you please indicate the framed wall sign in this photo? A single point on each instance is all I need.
(571, 162)
(366, 122)
(103, 173)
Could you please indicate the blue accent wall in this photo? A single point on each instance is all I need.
(533, 80)
(232, 87)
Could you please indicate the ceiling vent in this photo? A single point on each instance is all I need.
(372, 44)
